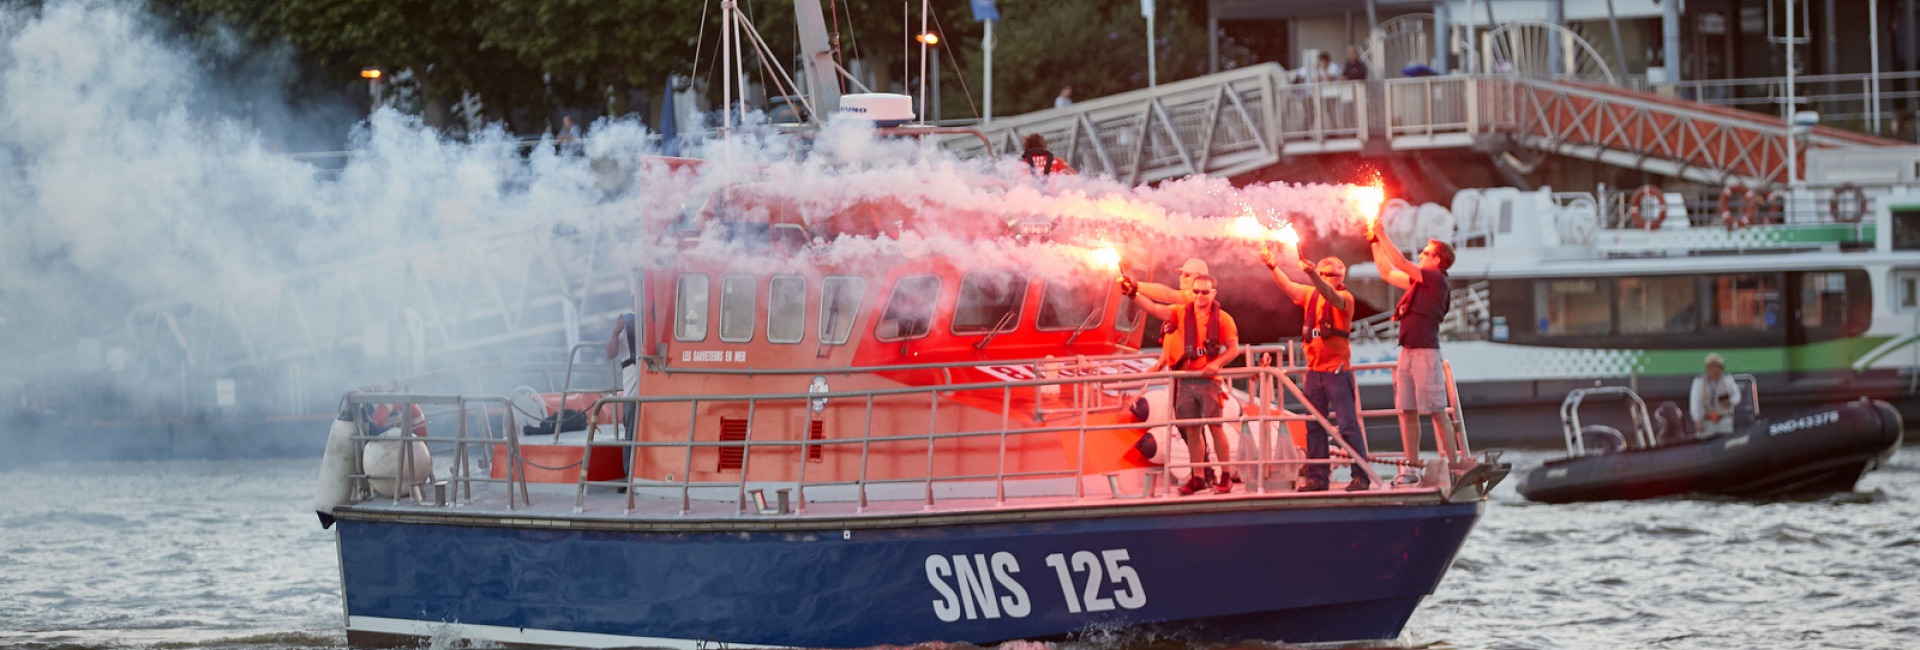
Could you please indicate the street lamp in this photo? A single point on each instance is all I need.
(930, 42)
(372, 75)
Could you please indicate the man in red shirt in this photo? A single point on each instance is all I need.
(1324, 333)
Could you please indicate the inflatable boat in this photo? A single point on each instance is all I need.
(1818, 451)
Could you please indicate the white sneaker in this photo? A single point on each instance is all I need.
(1407, 476)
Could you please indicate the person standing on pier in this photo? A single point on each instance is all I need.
(1324, 334)
(1419, 383)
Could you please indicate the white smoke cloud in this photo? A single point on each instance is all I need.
(129, 178)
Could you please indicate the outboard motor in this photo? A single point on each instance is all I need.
(1670, 424)
(1602, 439)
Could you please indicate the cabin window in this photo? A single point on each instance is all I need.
(909, 313)
(1744, 302)
(1658, 305)
(989, 301)
(690, 305)
(786, 309)
(1066, 305)
(839, 307)
(1573, 307)
(736, 308)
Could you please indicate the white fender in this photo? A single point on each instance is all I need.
(382, 463)
(1169, 445)
(336, 463)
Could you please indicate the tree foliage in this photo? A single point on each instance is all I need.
(529, 59)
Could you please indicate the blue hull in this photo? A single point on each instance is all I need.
(1216, 571)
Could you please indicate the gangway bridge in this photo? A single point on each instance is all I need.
(1240, 121)
(534, 291)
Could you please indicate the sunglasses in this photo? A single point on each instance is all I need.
(1330, 275)
(1203, 292)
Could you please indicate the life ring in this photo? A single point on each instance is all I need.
(388, 416)
(1639, 199)
(1747, 206)
(1855, 196)
(1768, 206)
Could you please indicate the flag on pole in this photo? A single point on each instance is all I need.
(984, 10)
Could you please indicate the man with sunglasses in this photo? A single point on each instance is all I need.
(1324, 334)
(1419, 384)
(1204, 339)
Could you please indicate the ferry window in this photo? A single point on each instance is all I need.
(737, 297)
(989, 300)
(1066, 305)
(1906, 230)
(690, 303)
(1573, 307)
(1906, 289)
(909, 312)
(1658, 305)
(839, 307)
(786, 308)
(1823, 299)
(1745, 301)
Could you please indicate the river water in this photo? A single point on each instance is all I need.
(226, 554)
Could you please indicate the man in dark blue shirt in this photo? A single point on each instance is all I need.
(1419, 383)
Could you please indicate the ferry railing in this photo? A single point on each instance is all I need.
(1267, 423)
(1468, 317)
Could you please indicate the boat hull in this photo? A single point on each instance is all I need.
(1819, 451)
(1221, 571)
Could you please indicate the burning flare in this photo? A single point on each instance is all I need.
(1107, 258)
(1287, 235)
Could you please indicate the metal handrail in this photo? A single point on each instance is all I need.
(1279, 377)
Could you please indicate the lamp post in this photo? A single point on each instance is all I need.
(930, 44)
(372, 75)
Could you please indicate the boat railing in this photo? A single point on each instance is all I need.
(1576, 433)
(473, 427)
(485, 424)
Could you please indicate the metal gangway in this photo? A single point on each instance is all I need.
(1242, 120)
(501, 296)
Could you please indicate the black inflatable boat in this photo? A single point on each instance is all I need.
(1817, 451)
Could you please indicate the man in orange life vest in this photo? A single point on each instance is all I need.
(1324, 334)
(1203, 340)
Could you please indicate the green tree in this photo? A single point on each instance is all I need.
(1099, 48)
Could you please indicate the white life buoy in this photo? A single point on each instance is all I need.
(1172, 448)
(382, 463)
(336, 463)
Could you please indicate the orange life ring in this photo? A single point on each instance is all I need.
(1639, 199)
(1857, 197)
(1747, 206)
(387, 416)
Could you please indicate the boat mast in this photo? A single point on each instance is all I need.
(817, 55)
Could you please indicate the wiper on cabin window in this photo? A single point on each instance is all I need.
(997, 327)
